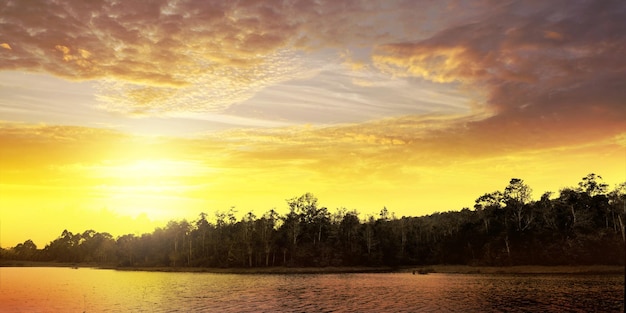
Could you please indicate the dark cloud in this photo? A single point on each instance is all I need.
(550, 69)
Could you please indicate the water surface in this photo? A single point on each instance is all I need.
(94, 290)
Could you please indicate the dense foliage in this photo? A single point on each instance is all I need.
(583, 225)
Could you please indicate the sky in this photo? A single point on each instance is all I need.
(118, 116)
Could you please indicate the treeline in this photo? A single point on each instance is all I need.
(583, 225)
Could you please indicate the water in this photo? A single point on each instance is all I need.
(93, 290)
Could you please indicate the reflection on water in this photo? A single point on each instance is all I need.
(92, 290)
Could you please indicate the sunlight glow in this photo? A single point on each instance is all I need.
(150, 169)
(167, 111)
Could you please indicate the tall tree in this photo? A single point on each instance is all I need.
(486, 205)
(267, 223)
(617, 204)
(516, 195)
(593, 185)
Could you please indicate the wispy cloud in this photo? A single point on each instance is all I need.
(163, 57)
(512, 74)
(335, 96)
(178, 56)
(404, 163)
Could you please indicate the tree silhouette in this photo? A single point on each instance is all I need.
(582, 225)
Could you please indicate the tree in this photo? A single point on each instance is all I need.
(248, 235)
(486, 205)
(617, 204)
(64, 248)
(304, 223)
(384, 214)
(570, 229)
(545, 208)
(201, 231)
(26, 250)
(305, 206)
(571, 199)
(126, 248)
(267, 223)
(104, 247)
(349, 234)
(369, 234)
(178, 237)
(595, 198)
(593, 185)
(516, 195)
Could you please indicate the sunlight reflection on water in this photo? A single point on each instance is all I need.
(92, 290)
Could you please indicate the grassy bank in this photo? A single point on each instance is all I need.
(522, 269)
(445, 269)
(264, 270)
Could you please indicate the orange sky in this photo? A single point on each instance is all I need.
(120, 116)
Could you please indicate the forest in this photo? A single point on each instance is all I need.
(579, 226)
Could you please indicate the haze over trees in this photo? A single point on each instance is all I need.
(582, 225)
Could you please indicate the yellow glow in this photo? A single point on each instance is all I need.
(438, 65)
(254, 105)
(90, 178)
(147, 169)
(365, 105)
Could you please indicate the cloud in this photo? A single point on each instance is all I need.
(437, 64)
(336, 96)
(210, 91)
(409, 162)
(540, 68)
(163, 56)
(32, 147)
(163, 48)
(545, 73)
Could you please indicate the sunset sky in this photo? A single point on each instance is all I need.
(118, 116)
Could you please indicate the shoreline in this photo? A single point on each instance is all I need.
(428, 269)
(522, 269)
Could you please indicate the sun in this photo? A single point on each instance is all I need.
(151, 186)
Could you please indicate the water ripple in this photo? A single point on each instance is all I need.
(90, 290)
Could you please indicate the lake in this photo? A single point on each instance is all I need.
(43, 289)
